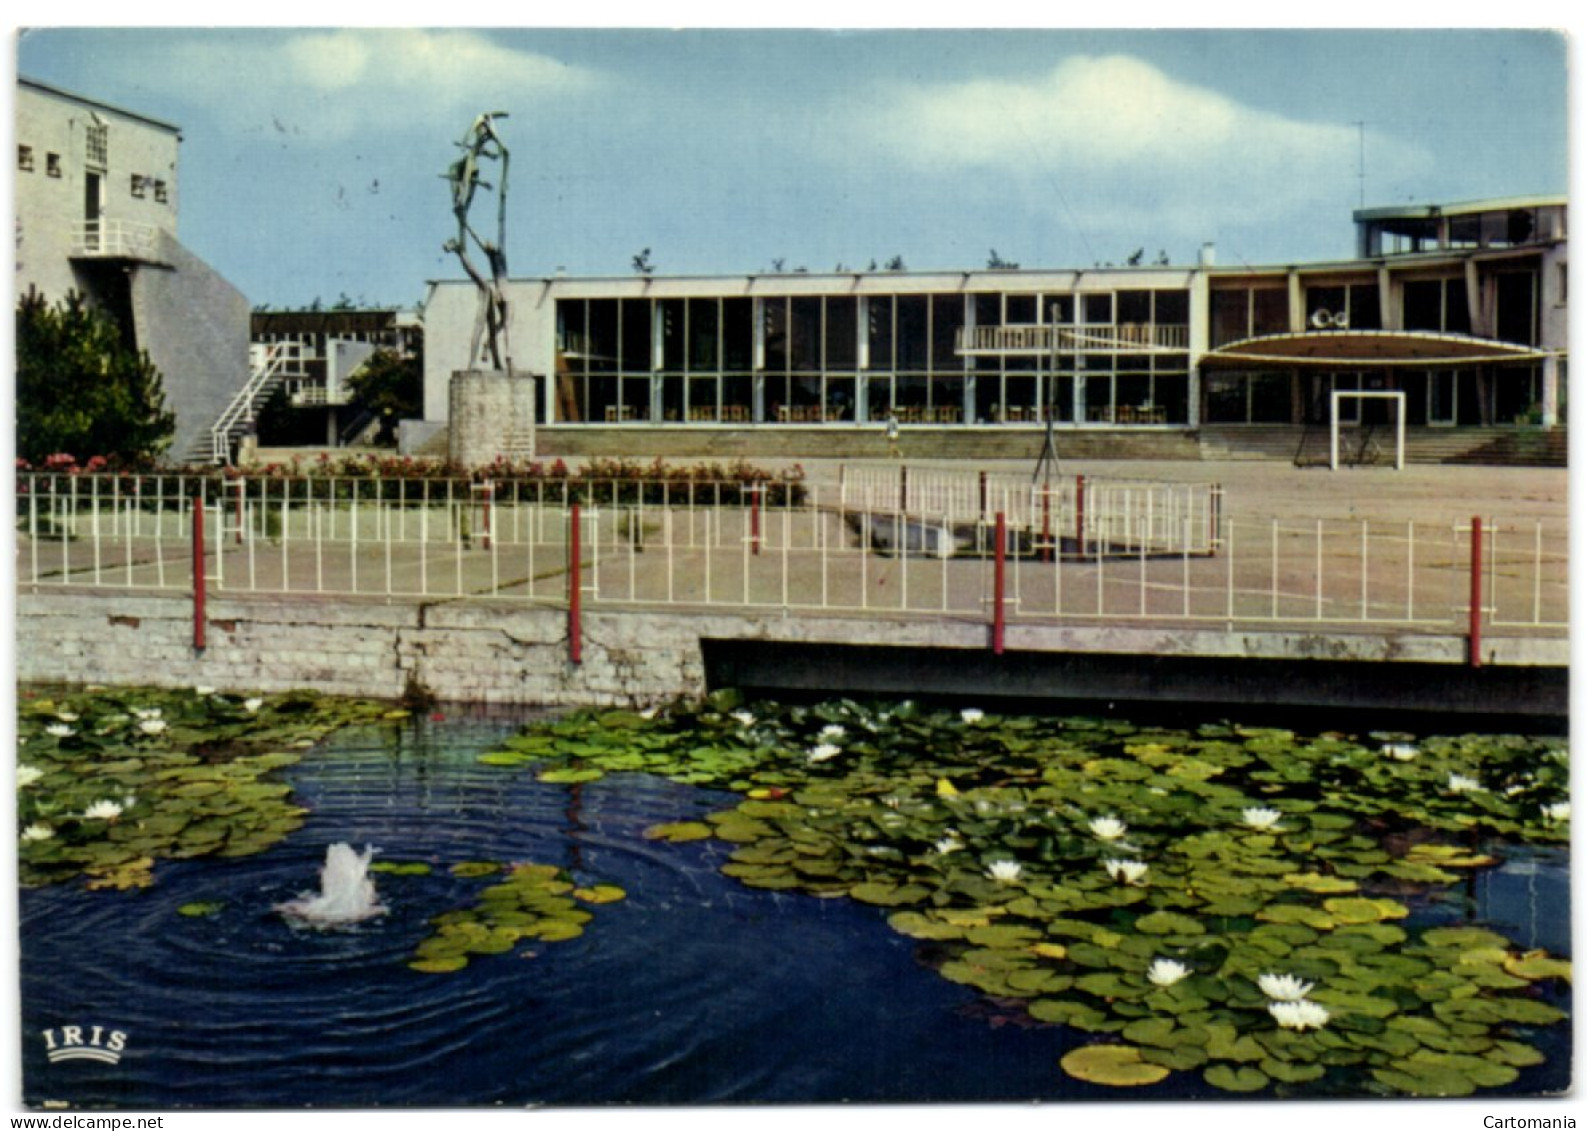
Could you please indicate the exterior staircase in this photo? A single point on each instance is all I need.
(269, 365)
(1309, 447)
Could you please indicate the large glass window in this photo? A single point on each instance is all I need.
(1097, 310)
(636, 339)
(738, 334)
(1517, 314)
(1134, 307)
(879, 331)
(912, 331)
(1269, 311)
(572, 336)
(671, 312)
(1231, 317)
(704, 335)
(841, 343)
(1171, 308)
(776, 315)
(804, 334)
(947, 318)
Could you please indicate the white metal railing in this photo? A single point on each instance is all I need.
(725, 546)
(268, 364)
(1162, 517)
(115, 239)
(310, 394)
(1043, 338)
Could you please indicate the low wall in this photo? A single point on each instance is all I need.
(486, 652)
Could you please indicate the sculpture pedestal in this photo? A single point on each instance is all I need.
(491, 416)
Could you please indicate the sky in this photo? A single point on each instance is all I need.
(313, 158)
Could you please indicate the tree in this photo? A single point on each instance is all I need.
(392, 387)
(642, 264)
(82, 388)
(995, 262)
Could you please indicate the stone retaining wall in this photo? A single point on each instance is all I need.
(489, 652)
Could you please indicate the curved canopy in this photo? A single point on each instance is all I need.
(1335, 348)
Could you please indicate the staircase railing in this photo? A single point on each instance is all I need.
(267, 367)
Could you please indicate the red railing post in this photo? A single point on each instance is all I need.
(1080, 515)
(575, 590)
(999, 580)
(903, 488)
(754, 517)
(198, 571)
(982, 511)
(1475, 651)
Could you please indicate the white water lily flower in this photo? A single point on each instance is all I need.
(66, 716)
(1166, 971)
(1283, 987)
(1260, 818)
(744, 718)
(1108, 828)
(146, 713)
(37, 832)
(1131, 872)
(972, 714)
(27, 775)
(252, 705)
(1298, 1014)
(831, 732)
(1004, 871)
(59, 730)
(824, 753)
(203, 690)
(1460, 783)
(1559, 811)
(102, 811)
(949, 844)
(152, 726)
(1400, 751)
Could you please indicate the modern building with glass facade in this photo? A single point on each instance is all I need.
(1461, 308)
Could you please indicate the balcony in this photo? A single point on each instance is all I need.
(1045, 339)
(115, 239)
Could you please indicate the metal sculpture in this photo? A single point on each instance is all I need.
(482, 143)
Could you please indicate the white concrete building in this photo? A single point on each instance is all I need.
(1460, 309)
(97, 192)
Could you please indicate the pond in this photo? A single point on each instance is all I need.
(561, 929)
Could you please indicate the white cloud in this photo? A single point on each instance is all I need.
(325, 85)
(1095, 121)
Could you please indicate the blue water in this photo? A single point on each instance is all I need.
(692, 990)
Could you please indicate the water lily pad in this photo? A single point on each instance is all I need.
(1169, 923)
(600, 893)
(201, 909)
(1116, 1066)
(401, 868)
(1428, 1073)
(1364, 910)
(571, 776)
(1078, 1015)
(1535, 965)
(1236, 1078)
(679, 831)
(441, 965)
(473, 869)
(1317, 882)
